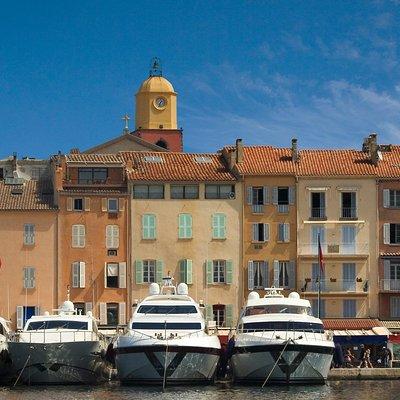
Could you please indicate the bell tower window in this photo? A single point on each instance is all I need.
(162, 143)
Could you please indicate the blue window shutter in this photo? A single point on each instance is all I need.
(292, 195)
(249, 195)
(265, 195)
(292, 274)
(229, 271)
(275, 195)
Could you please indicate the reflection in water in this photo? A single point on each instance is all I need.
(371, 390)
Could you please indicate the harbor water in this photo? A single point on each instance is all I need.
(342, 390)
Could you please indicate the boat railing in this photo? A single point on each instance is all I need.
(61, 336)
(166, 336)
(295, 334)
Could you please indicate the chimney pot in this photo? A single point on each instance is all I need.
(295, 152)
(239, 151)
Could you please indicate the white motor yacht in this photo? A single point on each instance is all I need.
(5, 361)
(166, 340)
(278, 340)
(64, 348)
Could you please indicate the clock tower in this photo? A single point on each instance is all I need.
(156, 115)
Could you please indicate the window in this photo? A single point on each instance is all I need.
(395, 271)
(185, 226)
(57, 324)
(148, 226)
(318, 205)
(29, 278)
(112, 236)
(112, 205)
(219, 226)
(112, 314)
(78, 274)
(219, 314)
(284, 232)
(260, 232)
(162, 310)
(322, 308)
(258, 195)
(184, 191)
(112, 275)
(186, 271)
(149, 271)
(349, 277)
(80, 308)
(317, 231)
(92, 175)
(219, 271)
(349, 209)
(29, 234)
(349, 308)
(317, 278)
(78, 235)
(348, 239)
(258, 275)
(391, 198)
(284, 274)
(395, 233)
(148, 191)
(395, 307)
(78, 205)
(220, 192)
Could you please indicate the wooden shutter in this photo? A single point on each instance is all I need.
(292, 274)
(255, 232)
(265, 195)
(122, 275)
(75, 274)
(88, 307)
(87, 203)
(121, 313)
(229, 315)
(145, 226)
(82, 268)
(103, 313)
(159, 271)
(104, 207)
(121, 204)
(115, 235)
(209, 272)
(181, 226)
(275, 195)
(386, 274)
(215, 226)
(139, 271)
(265, 273)
(249, 195)
(250, 275)
(276, 273)
(74, 235)
(209, 312)
(292, 195)
(386, 233)
(229, 271)
(69, 203)
(20, 317)
(105, 274)
(386, 198)
(266, 232)
(189, 272)
(32, 277)
(286, 232)
(182, 270)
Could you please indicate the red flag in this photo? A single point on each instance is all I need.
(320, 256)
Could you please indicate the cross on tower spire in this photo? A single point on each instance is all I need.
(155, 67)
(126, 119)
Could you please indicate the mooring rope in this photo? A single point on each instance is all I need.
(22, 370)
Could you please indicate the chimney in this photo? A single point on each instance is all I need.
(14, 161)
(373, 148)
(295, 152)
(239, 151)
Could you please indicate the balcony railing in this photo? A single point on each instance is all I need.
(311, 249)
(334, 285)
(318, 212)
(283, 208)
(257, 208)
(349, 212)
(389, 285)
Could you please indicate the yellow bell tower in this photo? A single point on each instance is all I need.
(156, 102)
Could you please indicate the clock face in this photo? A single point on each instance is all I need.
(160, 103)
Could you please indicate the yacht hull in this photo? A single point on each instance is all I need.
(5, 362)
(58, 363)
(296, 363)
(179, 364)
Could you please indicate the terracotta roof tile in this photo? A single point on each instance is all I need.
(183, 167)
(389, 166)
(351, 323)
(31, 197)
(93, 158)
(392, 254)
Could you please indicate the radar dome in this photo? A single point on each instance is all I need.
(254, 296)
(294, 295)
(46, 313)
(89, 314)
(154, 289)
(182, 289)
(67, 307)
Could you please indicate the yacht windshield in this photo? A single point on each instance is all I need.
(39, 325)
(277, 309)
(283, 326)
(148, 309)
(169, 325)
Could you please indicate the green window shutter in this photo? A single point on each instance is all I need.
(185, 226)
(139, 271)
(181, 226)
(159, 271)
(229, 315)
(182, 270)
(222, 226)
(209, 272)
(145, 229)
(219, 226)
(215, 226)
(229, 271)
(148, 226)
(152, 226)
(189, 272)
(209, 313)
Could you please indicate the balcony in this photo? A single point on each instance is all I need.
(334, 286)
(283, 208)
(331, 250)
(349, 213)
(389, 285)
(318, 213)
(257, 208)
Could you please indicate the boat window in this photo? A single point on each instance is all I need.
(168, 325)
(277, 309)
(40, 325)
(283, 326)
(167, 309)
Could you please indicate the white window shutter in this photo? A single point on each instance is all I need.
(266, 232)
(250, 275)
(121, 204)
(265, 195)
(69, 203)
(292, 195)
(249, 195)
(105, 274)
(386, 233)
(386, 274)
(74, 236)
(75, 274)
(386, 198)
(122, 275)
(255, 233)
(82, 268)
(88, 307)
(20, 317)
(276, 273)
(286, 232)
(121, 313)
(87, 203)
(116, 236)
(104, 205)
(103, 313)
(275, 195)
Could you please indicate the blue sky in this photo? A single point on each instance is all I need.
(326, 72)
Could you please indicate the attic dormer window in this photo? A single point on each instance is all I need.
(202, 159)
(152, 159)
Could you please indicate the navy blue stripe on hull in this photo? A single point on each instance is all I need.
(279, 347)
(171, 349)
